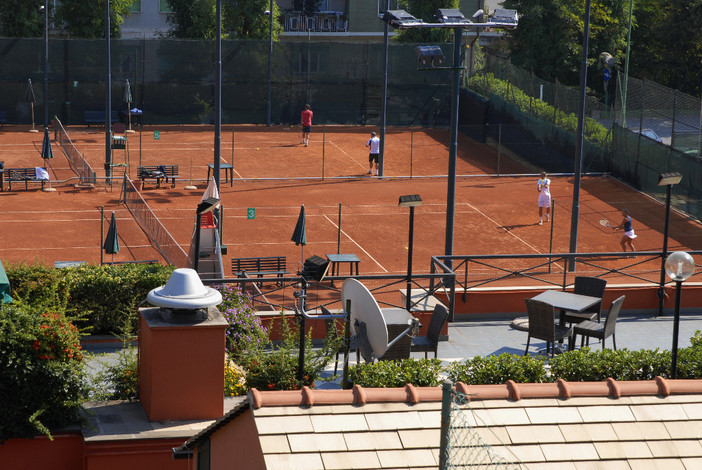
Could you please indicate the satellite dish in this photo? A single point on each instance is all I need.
(365, 309)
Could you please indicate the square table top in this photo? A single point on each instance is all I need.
(567, 300)
(343, 258)
(222, 166)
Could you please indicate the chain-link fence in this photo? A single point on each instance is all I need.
(461, 444)
(661, 114)
(173, 81)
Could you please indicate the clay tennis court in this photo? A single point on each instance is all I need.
(275, 175)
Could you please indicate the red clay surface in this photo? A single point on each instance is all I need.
(494, 215)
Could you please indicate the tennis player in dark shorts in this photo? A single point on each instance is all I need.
(374, 144)
(306, 118)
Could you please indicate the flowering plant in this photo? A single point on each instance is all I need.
(245, 331)
(41, 371)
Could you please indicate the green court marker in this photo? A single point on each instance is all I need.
(157, 135)
(251, 213)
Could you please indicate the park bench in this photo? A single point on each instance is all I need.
(98, 117)
(158, 173)
(3, 118)
(259, 267)
(25, 175)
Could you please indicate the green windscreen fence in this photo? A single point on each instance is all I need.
(173, 81)
(640, 160)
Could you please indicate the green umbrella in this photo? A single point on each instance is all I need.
(299, 235)
(111, 245)
(46, 152)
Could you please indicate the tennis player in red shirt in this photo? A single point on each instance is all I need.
(306, 118)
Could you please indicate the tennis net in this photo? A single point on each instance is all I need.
(164, 242)
(78, 163)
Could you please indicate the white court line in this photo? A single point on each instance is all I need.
(355, 243)
(495, 222)
(347, 154)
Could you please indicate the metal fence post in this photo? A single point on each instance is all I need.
(446, 400)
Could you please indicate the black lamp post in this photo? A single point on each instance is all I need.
(46, 65)
(270, 65)
(410, 201)
(108, 96)
(679, 266)
(667, 180)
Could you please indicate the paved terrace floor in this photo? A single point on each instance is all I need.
(488, 337)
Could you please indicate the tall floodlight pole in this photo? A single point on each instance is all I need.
(270, 66)
(453, 143)
(578, 162)
(384, 99)
(108, 96)
(626, 64)
(218, 98)
(46, 65)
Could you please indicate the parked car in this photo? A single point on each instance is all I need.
(651, 134)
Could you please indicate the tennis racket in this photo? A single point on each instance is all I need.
(605, 223)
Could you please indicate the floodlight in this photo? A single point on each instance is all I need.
(502, 15)
(664, 179)
(429, 56)
(411, 200)
(607, 60)
(207, 205)
(449, 15)
(400, 18)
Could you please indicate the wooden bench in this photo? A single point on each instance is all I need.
(3, 118)
(158, 173)
(98, 117)
(26, 175)
(259, 267)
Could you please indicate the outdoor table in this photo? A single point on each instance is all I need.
(337, 259)
(566, 301)
(228, 169)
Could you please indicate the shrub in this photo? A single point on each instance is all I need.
(586, 365)
(418, 372)
(276, 367)
(41, 371)
(498, 369)
(234, 380)
(39, 287)
(116, 379)
(245, 331)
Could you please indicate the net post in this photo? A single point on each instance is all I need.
(550, 244)
(411, 149)
(232, 145)
(499, 147)
(446, 400)
(338, 237)
(102, 232)
(324, 141)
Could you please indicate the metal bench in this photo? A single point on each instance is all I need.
(259, 267)
(25, 175)
(158, 172)
(98, 117)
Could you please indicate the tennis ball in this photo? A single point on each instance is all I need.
(257, 148)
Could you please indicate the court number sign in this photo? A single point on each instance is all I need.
(157, 135)
(251, 213)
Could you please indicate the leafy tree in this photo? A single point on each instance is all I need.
(246, 19)
(20, 18)
(86, 18)
(666, 43)
(308, 7)
(550, 35)
(193, 19)
(425, 10)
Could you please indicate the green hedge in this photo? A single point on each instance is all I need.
(99, 299)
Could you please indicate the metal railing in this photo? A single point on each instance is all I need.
(78, 163)
(477, 271)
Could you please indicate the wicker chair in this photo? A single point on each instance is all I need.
(591, 329)
(430, 342)
(542, 325)
(594, 287)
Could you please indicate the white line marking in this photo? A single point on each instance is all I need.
(347, 154)
(499, 225)
(355, 243)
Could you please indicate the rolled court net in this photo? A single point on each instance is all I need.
(78, 163)
(164, 242)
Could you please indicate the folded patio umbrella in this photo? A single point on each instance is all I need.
(111, 245)
(299, 235)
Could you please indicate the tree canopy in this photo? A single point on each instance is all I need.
(20, 18)
(86, 18)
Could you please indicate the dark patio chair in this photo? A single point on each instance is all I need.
(594, 287)
(334, 333)
(542, 325)
(591, 329)
(430, 342)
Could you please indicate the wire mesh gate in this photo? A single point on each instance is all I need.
(461, 446)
